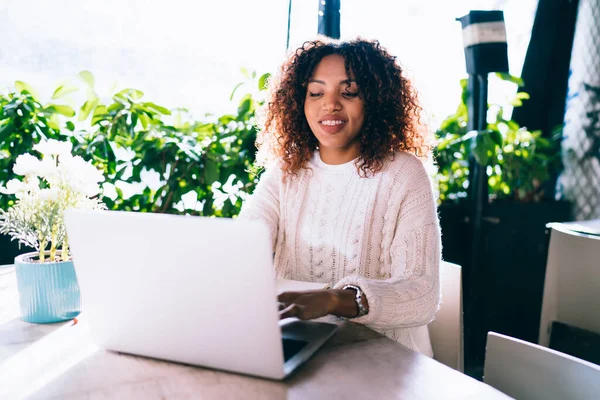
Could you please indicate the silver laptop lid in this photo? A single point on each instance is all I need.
(194, 290)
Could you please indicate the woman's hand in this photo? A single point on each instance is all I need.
(308, 304)
(313, 304)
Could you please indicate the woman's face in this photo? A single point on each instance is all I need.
(334, 110)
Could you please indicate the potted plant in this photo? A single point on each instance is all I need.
(46, 280)
(521, 166)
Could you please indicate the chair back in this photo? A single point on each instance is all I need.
(572, 284)
(527, 371)
(446, 330)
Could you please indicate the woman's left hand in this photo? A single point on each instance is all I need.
(308, 304)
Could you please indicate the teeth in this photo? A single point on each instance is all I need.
(332, 122)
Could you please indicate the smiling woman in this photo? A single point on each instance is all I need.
(346, 195)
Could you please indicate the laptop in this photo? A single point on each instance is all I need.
(192, 290)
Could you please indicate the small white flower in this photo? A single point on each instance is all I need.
(26, 164)
(49, 171)
(52, 194)
(14, 186)
(79, 170)
(53, 147)
(91, 189)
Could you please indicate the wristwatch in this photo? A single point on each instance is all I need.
(358, 298)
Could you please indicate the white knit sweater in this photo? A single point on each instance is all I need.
(380, 233)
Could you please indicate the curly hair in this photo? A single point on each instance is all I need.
(392, 111)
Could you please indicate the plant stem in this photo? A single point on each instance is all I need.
(65, 250)
(53, 244)
(42, 249)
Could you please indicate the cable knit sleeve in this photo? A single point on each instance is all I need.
(263, 204)
(411, 296)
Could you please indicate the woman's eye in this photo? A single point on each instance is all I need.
(350, 94)
(311, 94)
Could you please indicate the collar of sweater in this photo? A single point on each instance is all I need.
(345, 168)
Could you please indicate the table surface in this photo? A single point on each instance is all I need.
(59, 361)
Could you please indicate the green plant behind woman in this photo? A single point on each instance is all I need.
(155, 159)
(519, 162)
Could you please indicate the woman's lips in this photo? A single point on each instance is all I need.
(332, 126)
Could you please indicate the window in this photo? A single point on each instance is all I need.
(189, 53)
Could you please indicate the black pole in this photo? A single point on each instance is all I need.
(478, 173)
(329, 18)
(484, 40)
(287, 42)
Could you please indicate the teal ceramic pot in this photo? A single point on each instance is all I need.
(48, 292)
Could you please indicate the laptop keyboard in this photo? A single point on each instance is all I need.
(291, 347)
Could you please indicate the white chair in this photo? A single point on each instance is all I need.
(446, 330)
(572, 284)
(527, 371)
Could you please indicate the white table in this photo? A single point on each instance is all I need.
(59, 361)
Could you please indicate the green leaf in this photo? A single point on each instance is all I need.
(157, 108)
(234, 89)
(132, 124)
(6, 130)
(480, 148)
(509, 78)
(512, 125)
(145, 120)
(121, 98)
(99, 114)
(496, 137)
(136, 94)
(211, 171)
(263, 82)
(115, 107)
(67, 111)
(63, 90)
(516, 103)
(245, 105)
(87, 77)
(225, 119)
(245, 72)
(70, 126)
(25, 87)
(87, 108)
(133, 94)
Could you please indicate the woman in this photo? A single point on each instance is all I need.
(346, 195)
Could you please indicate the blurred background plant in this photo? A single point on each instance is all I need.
(154, 159)
(520, 163)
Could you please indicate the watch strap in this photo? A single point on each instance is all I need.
(358, 298)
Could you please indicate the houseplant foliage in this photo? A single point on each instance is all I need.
(518, 161)
(48, 289)
(154, 159)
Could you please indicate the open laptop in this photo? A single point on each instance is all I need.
(193, 290)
